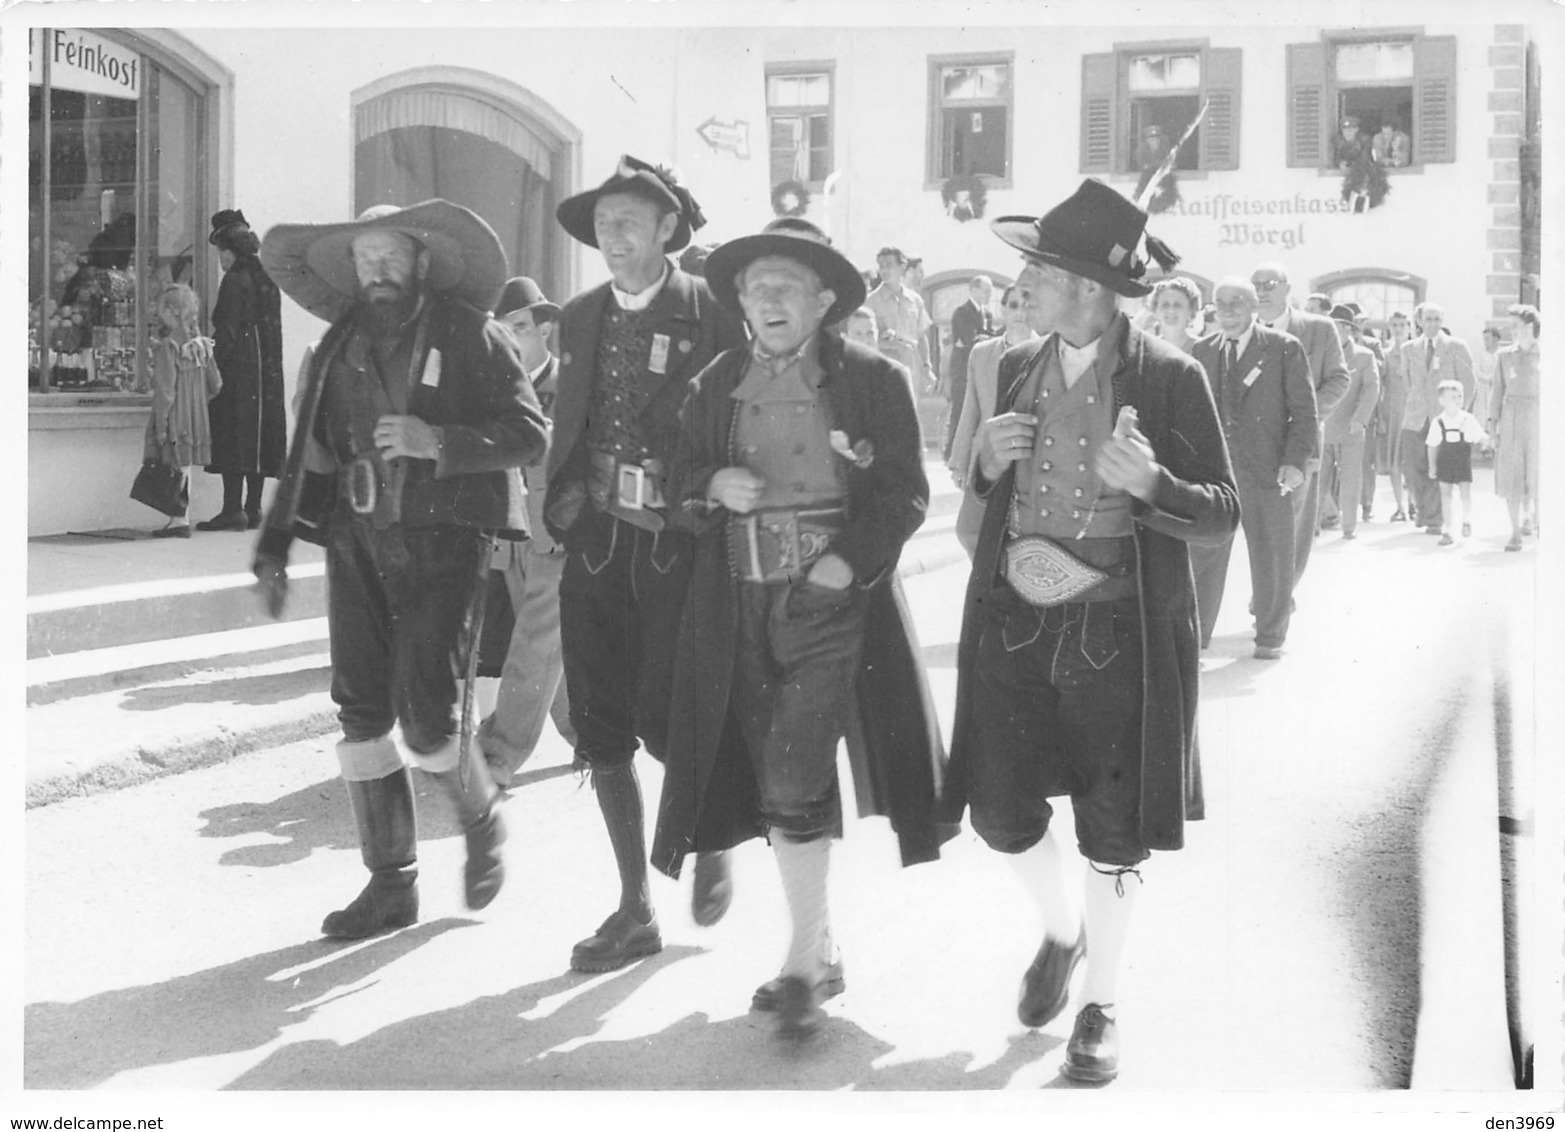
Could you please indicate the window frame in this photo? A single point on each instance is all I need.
(827, 67)
(934, 117)
(1333, 281)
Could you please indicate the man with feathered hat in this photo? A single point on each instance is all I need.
(415, 417)
(1077, 669)
(629, 348)
(800, 461)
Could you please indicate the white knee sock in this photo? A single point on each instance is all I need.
(1043, 873)
(1110, 899)
(804, 865)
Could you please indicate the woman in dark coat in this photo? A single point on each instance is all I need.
(249, 431)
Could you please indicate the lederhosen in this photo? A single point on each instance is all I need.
(1454, 456)
(398, 595)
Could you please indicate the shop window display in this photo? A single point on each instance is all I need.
(115, 196)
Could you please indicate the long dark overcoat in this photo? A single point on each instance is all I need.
(1196, 501)
(709, 797)
(249, 430)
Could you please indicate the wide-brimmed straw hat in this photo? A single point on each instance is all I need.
(1095, 233)
(313, 263)
(652, 182)
(792, 238)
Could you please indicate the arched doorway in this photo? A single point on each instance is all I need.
(476, 140)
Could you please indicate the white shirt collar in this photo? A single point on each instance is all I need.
(641, 300)
(1282, 321)
(534, 375)
(1243, 341)
(1076, 360)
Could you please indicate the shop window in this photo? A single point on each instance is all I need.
(475, 149)
(1395, 95)
(1138, 100)
(798, 121)
(971, 99)
(117, 205)
(1379, 293)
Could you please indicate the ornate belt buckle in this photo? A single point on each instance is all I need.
(1043, 573)
(363, 485)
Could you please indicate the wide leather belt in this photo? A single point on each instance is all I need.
(1044, 572)
(633, 487)
(780, 545)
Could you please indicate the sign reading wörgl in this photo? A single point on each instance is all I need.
(1259, 221)
(82, 61)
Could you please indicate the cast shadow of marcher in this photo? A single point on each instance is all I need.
(227, 1009)
(272, 688)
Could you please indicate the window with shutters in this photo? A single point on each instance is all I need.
(1391, 98)
(971, 100)
(1139, 99)
(798, 120)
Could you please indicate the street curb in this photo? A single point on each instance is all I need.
(141, 761)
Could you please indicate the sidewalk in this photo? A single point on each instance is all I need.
(147, 657)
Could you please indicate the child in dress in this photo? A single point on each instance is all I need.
(184, 379)
(1452, 435)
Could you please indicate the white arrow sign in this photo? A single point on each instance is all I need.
(731, 136)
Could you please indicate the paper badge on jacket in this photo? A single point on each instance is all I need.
(431, 376)
(658, 362)
(1250, 378)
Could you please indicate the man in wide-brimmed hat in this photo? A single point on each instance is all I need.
(414, 418)
(1077, 670)
(628, 349)
(800, 460)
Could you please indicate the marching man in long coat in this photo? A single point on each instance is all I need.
(1077, 670)
(800, 459)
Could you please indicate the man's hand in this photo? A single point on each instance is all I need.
(198, 350)
(831, 572)
(1003, 440)
(1125, 463)
(1289, 478)
(738, 489)
(271, 583)
(406, 436)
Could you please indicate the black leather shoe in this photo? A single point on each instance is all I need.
(799, 1013)
(619, 940)
(252, 520)
(1092, 1054)
(1046, 984)
(389, 901)
(181, 530)
(712, 888)
(224, 521)
(768, 996)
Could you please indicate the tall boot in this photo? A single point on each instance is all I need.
(475, 795)
(388, 839)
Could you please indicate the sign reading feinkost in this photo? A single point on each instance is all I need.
(1236, 228)
(82, 61)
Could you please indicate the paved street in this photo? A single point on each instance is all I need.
(171, 927)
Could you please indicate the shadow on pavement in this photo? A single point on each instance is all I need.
(239, 1006)
(270, 688)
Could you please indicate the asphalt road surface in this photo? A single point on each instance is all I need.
(171, 928)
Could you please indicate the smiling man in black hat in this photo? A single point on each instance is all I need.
(801, 457)
(629, 348)
(414, 418)
(1077, 670)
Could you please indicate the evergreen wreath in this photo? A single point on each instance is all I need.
(1367, 177)
(790, 198)
(964, 196)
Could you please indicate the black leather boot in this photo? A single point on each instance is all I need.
(388, 838)
(475, 795)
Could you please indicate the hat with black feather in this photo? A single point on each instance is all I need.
(1095, 233)
(655, 183)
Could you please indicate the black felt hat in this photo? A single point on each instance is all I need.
(522, 294)
(225, 220)
(652, 182)
(794, 238)
(1344, 312)
(1095, 233)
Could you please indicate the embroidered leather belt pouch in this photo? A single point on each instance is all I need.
(373, 487)
(777, 546)
(1044, 573)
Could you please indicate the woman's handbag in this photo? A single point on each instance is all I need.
(161, 486)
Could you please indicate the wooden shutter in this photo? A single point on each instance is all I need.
(1099, 84)
(1307, 109)
(1434, 99)
(1220, 128)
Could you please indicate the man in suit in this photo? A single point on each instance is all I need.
(1328, 372)
(532, 684)
(629, 348)
(1342, 463)
(1078, 667)
(414, 418)
(1428, 360)
(969, 322)
(1375, 438)
(1261, 380)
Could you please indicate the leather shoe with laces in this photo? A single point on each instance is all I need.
(1092, 1054)
(768, 996)
(1046, 984)
(619, 940)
